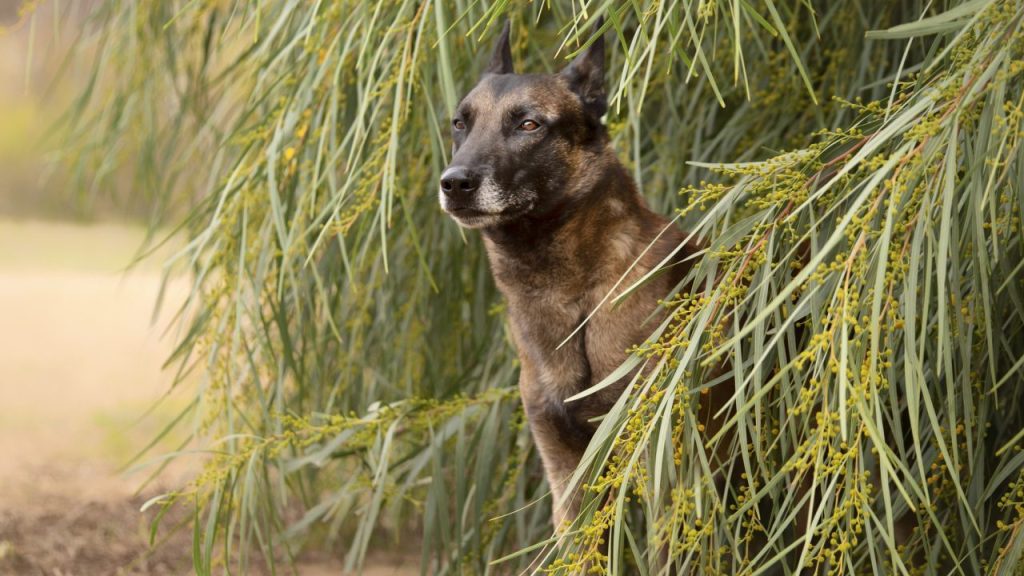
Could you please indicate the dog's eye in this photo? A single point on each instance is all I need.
(458, 124)
(528, 125)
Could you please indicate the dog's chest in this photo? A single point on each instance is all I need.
(563, 357)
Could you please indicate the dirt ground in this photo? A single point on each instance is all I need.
(80, 361)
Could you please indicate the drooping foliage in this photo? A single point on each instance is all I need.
(854, 168)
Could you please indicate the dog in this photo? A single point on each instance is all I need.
(562, 222)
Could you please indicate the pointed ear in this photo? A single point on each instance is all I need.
(501, 58)
(585, 76)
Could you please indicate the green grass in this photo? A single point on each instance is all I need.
(862, 280)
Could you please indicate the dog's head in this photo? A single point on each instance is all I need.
(519, 139)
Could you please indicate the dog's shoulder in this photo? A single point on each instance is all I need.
(669, 247)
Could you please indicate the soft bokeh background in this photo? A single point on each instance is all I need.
(82, 344)
(80, 348)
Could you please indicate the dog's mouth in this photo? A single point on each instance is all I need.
(471, 217)
(489, 205)
(468, 211)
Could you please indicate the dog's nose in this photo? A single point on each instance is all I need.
(459, 183)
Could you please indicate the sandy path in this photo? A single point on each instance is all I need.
(79, 357)
(80, 360)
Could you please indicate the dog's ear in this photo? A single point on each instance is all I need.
(501, 58)
(585, 75)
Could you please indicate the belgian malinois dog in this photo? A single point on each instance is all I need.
(563, 222)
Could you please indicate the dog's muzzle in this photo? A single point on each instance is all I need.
(476, 201)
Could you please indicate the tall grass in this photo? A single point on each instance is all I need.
(853, 166)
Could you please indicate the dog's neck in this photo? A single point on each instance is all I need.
(597, 234)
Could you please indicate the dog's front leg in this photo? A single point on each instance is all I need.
(560, 455)
(560, 461)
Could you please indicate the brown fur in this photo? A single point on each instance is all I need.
(563, 224)
(550, 291)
